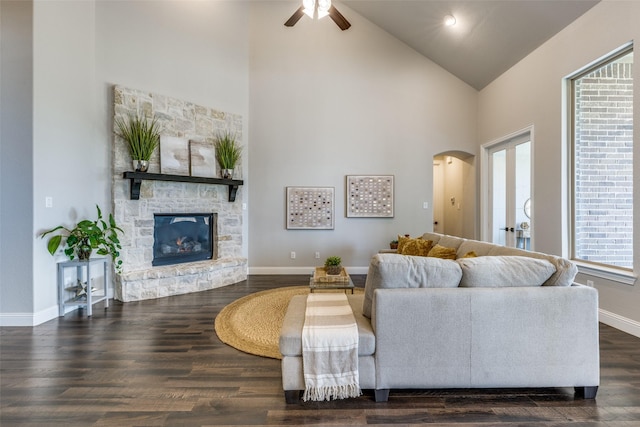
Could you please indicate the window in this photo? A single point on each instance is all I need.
(602, 160)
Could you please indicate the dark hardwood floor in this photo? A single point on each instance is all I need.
(160, 363)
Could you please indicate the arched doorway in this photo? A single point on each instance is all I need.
(454, 194)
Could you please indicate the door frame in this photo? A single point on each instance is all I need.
(485, 179)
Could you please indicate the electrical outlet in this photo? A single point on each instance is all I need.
(425, 205)
(317, 255)
(48, 202)
(590, 283)
(293, 255)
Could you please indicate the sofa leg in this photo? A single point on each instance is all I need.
(587, 392)
(292, 396)
(382, 395)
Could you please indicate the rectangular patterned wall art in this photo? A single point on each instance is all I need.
(310, 208)
(370, 196)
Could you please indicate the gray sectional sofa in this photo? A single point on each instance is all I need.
(507, 318)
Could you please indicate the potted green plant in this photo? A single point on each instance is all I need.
(86, 236)
(333, 265)
(393, 244)
(142, 136)
(228, 153)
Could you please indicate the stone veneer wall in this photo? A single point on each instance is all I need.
(139, 279)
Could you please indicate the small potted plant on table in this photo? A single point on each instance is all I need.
(86, 236)
(333, 265)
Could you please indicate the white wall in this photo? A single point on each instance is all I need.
(326, 104)
(531, 93)
(68, 157)
(196, 51)
(16, 168)
(192, 50)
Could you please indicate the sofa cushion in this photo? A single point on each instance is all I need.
(504, 271)
(480, 248)
(405, 271)
(566, 270)
(439, 251)
(290, 342)
(416, 247)
(451, 241)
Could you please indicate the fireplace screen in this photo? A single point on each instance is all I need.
(181, 238)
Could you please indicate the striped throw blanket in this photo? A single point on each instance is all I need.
(330, 348)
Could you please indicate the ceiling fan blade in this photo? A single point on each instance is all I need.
(337, 17)
(295, 17)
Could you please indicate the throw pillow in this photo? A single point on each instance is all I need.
(402, 242)
(442, 252)
(415, 247)
(470, 254)
(504, 271)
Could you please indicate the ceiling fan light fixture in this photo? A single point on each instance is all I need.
(319, 9)
(316, 8)
(309, 7)
(450, 20)
(323, 8)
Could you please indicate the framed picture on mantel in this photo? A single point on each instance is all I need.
(202, 159)
(174, 155)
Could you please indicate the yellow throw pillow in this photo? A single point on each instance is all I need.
(441, 252)
(471, 254)
(416, 247)
(402, 241)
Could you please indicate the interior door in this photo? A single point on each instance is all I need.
(438, 212)
(510, 192)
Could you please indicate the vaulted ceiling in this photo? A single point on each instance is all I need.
(490, 36)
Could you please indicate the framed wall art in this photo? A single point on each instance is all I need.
(369, 196)
(202, 159)
(174, 155)
(310, 208)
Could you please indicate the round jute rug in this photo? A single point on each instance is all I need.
(252, 323)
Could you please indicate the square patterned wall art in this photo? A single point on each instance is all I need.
(370, 196)
(310, 208)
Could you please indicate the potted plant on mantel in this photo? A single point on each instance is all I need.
(142, 136)
(86, 236)
(228, 153)
(333, 265)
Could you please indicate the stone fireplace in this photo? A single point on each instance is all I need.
(196, 214)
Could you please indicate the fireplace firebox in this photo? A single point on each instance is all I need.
(187, 237)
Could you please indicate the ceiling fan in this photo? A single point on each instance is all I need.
(319, 9)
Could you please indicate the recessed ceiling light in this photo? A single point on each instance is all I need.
(449, 20)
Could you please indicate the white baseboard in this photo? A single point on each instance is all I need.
(619, 322)
(29, 319)
(299, 270)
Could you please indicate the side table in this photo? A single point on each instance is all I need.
(84, 287)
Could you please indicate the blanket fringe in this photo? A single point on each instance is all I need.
(318, 394)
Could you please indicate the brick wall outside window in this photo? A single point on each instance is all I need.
(604, 164)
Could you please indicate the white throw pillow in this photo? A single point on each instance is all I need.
(504, 271)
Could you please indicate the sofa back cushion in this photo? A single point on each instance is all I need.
(565, 272)
(480, 248)
(504, 271)
(393, 271)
